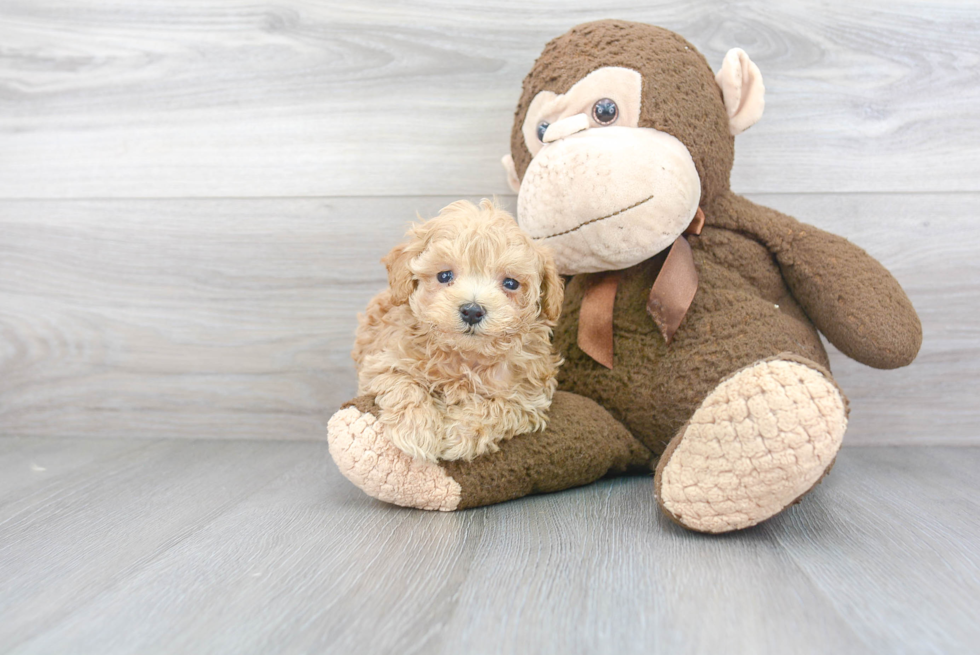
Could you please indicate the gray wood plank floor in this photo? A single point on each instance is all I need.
(145, 546)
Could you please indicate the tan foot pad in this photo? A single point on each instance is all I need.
(759, 441)
(382, 471)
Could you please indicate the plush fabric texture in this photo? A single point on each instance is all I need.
(743, 90)
(848, 295)
(742, 313)
(602, 187)
(623, 85)
(681, 99)
(369, 460)
(581, 444)
(760, 284)
(741, 405)
(759, 441)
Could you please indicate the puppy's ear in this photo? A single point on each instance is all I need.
(401, 280)
(552, 287)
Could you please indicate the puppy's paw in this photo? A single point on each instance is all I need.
(413, 434)
(366, 457)
(467, 440)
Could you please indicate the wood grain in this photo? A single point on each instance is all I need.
(250, 547)
(194, 197)
(235, 318)
(242, 99)
(114, 516)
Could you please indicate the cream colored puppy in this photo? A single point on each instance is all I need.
(458, 349)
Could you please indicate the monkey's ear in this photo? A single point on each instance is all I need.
(743, 90)
(401, 280)
(552, 288)
(508, 162)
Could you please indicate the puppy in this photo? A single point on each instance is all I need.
(458, 349)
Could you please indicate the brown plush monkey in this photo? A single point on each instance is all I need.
(690, 325)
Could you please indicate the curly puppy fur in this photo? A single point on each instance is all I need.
(448, 389)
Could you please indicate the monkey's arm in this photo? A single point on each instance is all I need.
(847, 294)
(581, 444)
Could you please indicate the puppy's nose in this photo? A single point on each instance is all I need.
(472, 313)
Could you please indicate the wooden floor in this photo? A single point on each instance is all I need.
(205, 546)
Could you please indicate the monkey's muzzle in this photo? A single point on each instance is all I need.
(610, 197)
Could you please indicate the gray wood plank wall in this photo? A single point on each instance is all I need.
(194, 195)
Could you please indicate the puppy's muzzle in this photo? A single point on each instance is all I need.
(471, 313)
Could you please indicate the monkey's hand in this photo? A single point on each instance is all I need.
(847, 294)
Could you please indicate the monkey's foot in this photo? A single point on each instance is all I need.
(759, 442)
(368, 459)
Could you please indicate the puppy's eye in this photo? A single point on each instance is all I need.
(445, 277)
(542, 128)
(511, 283)
(605, 111)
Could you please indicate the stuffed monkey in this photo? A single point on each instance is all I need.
(691, 317)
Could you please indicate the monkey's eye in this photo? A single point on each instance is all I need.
(511, 284)
(445, 277)
(605, 111)
(542, 128)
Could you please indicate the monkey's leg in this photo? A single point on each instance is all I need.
(581, 444)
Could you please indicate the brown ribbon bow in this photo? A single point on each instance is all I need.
(670, 298)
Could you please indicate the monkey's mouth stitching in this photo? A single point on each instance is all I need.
(596, 220)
